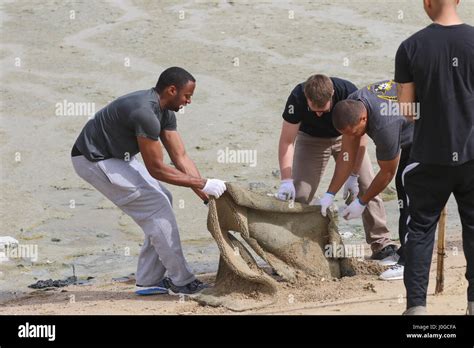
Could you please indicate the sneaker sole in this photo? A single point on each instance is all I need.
(171, 292)
(387, 263)
(151, 291)
(391, 278)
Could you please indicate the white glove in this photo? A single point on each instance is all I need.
(326, 202)
(354, 210)
(287, 190)
(214, 187)
(351, 185)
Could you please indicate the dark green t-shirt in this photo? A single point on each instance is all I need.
(113, 131)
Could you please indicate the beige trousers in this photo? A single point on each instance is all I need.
(309, 163)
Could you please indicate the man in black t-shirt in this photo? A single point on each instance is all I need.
(308, 139)
(435, 68)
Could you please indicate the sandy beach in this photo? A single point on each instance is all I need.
(358, 295)
(60, 61)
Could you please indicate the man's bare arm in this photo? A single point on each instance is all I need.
(152, 154)
(406, 98)
(360, 154)
(387, 171)
(344, 162)
(175, 147)
(286, 148)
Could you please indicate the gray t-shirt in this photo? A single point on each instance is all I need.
(385, 126)
(113, 130)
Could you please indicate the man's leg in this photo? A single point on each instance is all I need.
(150, 270)
(428, 188)
(464, 194)
(397, 270)
(162, 230)
(374, 218)
(402, 203)
(309, 162)
(130, 187)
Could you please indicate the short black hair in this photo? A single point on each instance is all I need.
(347, 113)
(173, 76)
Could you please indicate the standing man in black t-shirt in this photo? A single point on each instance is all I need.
(435, 68)
(308, 139)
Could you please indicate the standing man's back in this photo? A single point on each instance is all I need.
(435, 68)
(439, 60)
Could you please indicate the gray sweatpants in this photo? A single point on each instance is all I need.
(129, 186)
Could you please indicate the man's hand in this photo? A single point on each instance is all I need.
(326, 202)
(354, 210)
(214, 187)
(351, 185)
(287, 190)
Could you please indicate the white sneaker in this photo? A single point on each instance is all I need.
(393, 273)
(390, 260)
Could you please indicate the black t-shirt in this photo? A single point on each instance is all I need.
(113, 131)
(440, 61)
(297, 110)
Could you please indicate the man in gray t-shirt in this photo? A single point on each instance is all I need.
(374, 110)
(113, 132)
(390, 131)
(104, 156)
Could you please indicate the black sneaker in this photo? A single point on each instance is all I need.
(194, 287)
(389, 250)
